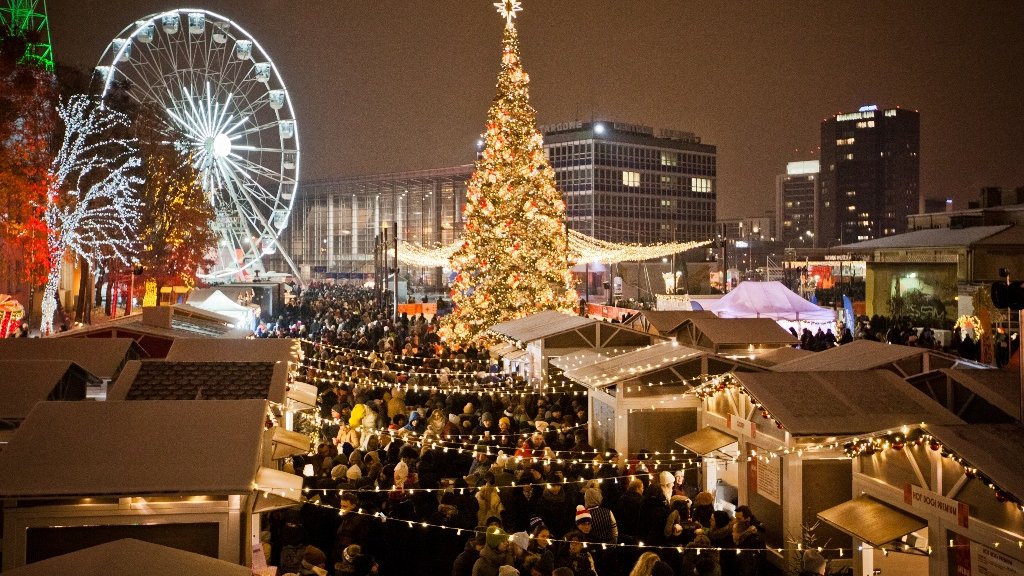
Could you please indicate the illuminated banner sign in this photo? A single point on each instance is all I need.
(927, 501)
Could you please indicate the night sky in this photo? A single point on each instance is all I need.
(381, 86)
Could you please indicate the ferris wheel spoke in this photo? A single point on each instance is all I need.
(253, 187)
(251, 168)
(261, 149)
(222, 113)
(255, 129)
(246, 202)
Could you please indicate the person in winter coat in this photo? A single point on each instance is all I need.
(416, 424)
(555, 508)
(628, 513)
(494, 554)
(463, 565)
(605, 529)
(575, 556)
(655, 509)
(396, 405)
(749, 548)
(541, 546)
(489, 499)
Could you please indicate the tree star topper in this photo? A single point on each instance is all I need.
(508, 9)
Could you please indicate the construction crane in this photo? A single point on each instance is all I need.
(27, 19)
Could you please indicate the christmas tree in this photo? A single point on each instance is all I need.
(514, 257)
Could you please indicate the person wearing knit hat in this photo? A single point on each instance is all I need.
(521, 540)
(353, 473)
(665, 480)
(535, 523)
(583, 516)
(338, 472)
(507, 570)
(494, 554)
(497, 538)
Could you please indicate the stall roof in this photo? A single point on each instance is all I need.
(498, 350)
(168, 380)
(235, 350)
(24, 383)
(714, 332)
(842, 403)
(930, 238)
(586, 357)
(857, 355)
(705, 441)
(872, 521)
(989, 447)
(134, 448)
(776, 356)
(130, 557)
(1001, 388)
(541, 325)
(181, 321)
(101, 357)
(632, 364)
(664, 322)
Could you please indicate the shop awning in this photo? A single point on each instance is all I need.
(705, 441)
(872, 521)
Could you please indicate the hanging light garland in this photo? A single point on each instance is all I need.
(582, 249)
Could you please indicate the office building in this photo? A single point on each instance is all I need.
(797, 201)
(870, 173)
(628, 183)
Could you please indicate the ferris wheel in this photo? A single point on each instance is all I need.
(227, 105)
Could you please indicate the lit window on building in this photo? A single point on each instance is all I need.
(631, 179)
(700, 184)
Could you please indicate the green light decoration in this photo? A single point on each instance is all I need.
(27, 19)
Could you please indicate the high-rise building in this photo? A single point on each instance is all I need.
(870, 173)
(797, 201)
(626, 183)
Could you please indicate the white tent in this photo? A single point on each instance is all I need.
(217, 302)
(773, 300)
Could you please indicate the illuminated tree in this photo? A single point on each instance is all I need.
(176, 235)
(27, 118)
(91, 205)
(514, 258)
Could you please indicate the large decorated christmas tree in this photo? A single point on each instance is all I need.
(514, 258)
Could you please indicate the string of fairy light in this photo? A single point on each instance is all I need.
(458, 531)
(582, 249)
(705, 387)
(895, 439)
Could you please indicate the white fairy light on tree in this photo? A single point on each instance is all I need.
(91, 206)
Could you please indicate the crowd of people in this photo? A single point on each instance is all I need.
(431, 460)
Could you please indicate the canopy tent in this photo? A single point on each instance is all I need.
(775, 301)
(245, 316)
